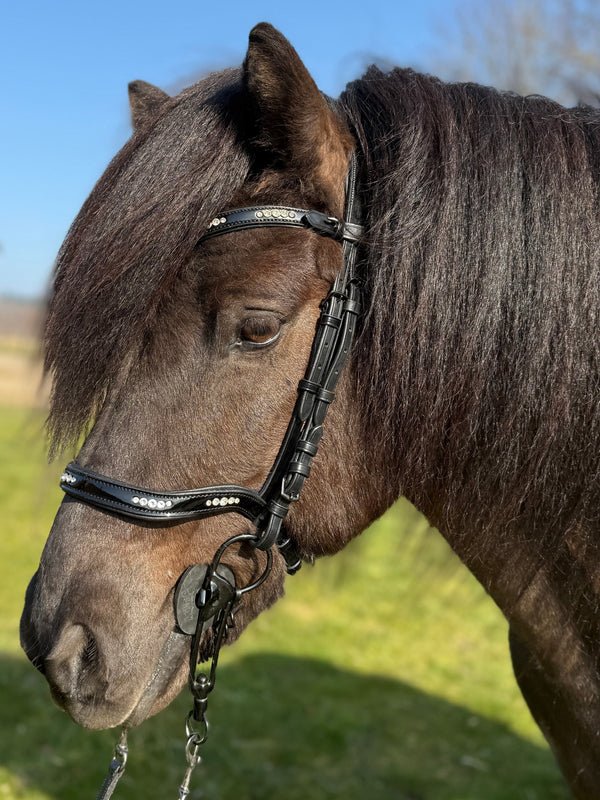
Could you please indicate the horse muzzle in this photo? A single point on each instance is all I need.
(99, 680)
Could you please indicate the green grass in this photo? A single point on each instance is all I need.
(384, 673)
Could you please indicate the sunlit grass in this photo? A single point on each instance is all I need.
(384, 673)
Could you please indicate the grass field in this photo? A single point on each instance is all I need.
(384, 673)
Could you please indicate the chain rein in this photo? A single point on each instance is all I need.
(202, 684)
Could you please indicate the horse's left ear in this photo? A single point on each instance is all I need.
(294, 121)
(145, 101)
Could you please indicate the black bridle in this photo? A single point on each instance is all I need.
(267, 508)
(206, 596)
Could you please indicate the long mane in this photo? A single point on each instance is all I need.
(479, 353)
(132, 238)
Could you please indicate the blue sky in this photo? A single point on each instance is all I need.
(65, 66)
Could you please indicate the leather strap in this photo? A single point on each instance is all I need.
(239, 219)
(146, 504)
(329, 352)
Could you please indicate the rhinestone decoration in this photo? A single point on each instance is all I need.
(222, 501)
(151, 502)
(66, 477)
(217, 221)
(278, 213)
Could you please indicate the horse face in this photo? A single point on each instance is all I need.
(201, 397)
(207, 403)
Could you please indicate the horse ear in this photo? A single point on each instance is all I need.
(144, 101)
(293, 119)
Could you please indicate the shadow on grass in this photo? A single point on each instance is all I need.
(283, 728)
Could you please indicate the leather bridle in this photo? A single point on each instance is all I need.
(267, 508)
(206, 596)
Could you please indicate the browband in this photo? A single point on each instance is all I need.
(239, 219)
(335, 329)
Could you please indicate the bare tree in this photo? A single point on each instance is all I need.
(549, 47)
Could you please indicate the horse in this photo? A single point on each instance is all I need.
(471, 386)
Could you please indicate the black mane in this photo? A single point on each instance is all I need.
(479, 353)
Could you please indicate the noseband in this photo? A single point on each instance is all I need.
(267, 508)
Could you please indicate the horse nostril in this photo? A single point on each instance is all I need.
(75, 652)
(89, 654)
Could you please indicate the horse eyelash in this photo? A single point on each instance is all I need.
(251, 345)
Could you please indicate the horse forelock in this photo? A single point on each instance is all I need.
(131, 240)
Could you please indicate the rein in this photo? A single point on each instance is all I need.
(206, 596)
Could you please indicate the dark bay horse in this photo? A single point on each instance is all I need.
(472, 387)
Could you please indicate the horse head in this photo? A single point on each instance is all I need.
(181, 354)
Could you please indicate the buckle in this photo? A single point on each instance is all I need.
(289, 497)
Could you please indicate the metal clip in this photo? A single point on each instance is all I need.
(193, 759)
(116, 768)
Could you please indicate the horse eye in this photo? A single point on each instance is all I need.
(260, 331)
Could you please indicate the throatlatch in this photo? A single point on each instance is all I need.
(206, 596)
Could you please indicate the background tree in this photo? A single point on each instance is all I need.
(549, 47)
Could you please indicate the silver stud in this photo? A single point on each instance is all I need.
(143, 501)
(160, 504)
(208, 503)
(267, 212)
(216, 501)
(168, 503)
(237, 500)
(258, 214)
(222, 220)
(135, 500)
(223, 501)
(231, 501)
